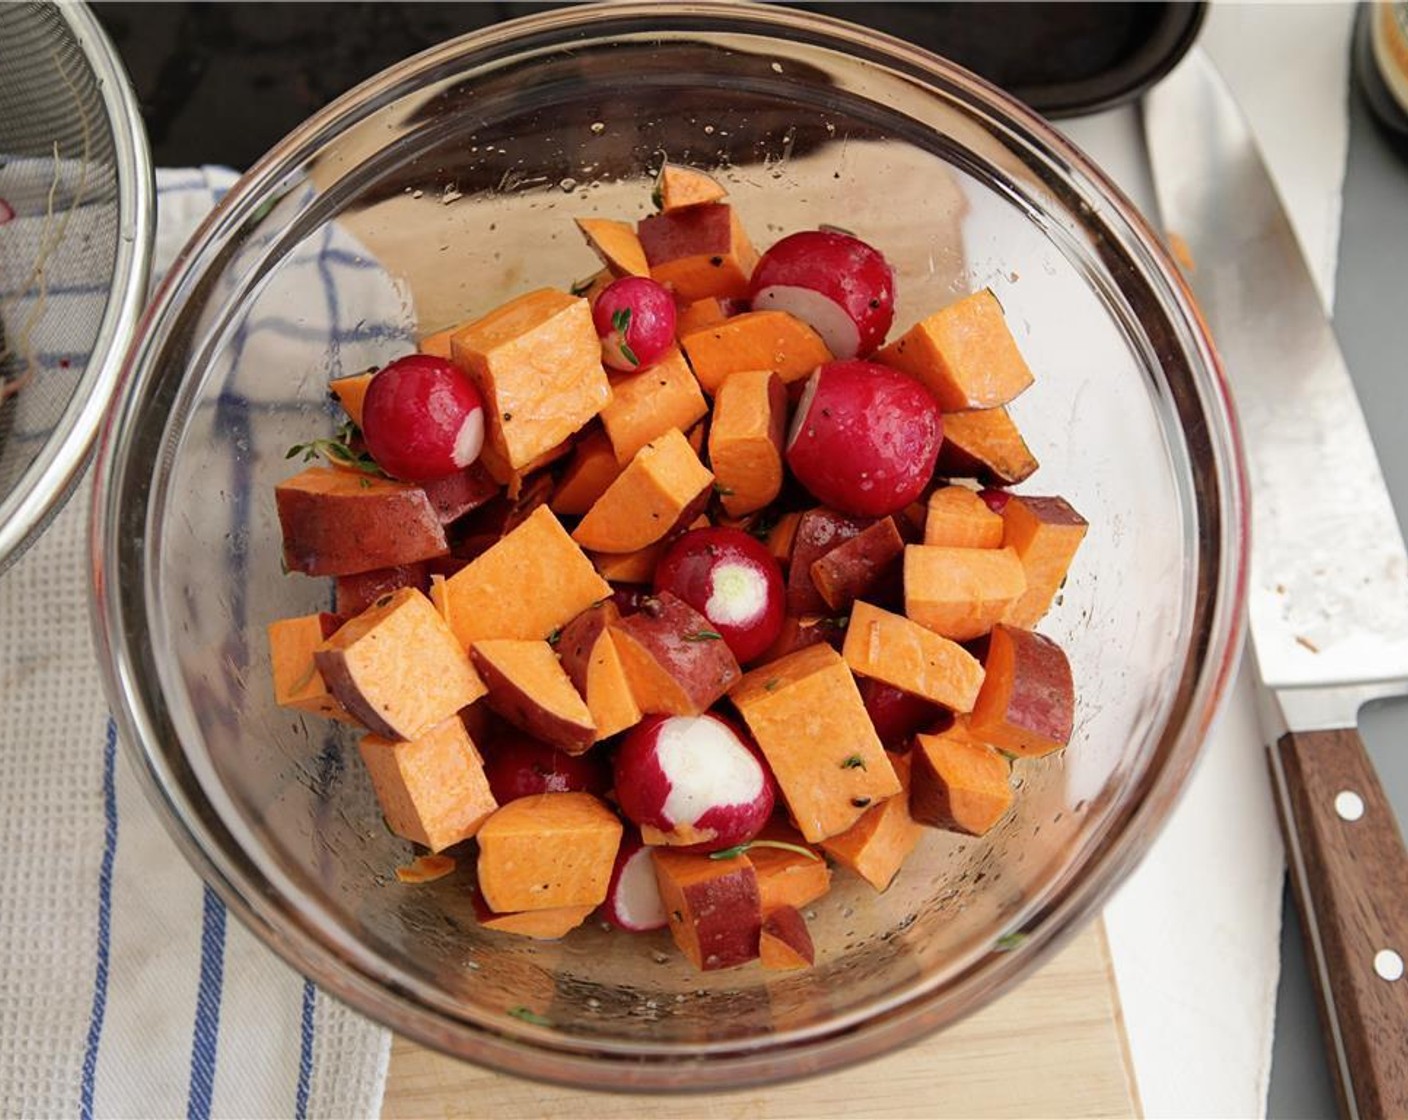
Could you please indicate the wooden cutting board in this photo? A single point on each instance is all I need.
(1053, 1047)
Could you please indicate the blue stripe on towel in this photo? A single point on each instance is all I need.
(305, 1052)
(207, 1027)
(100, 979)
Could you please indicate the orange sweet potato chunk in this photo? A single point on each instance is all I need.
(537, 362)
(959, 783)
(1027, 703)
(806, 714)
(665, 485)
(1045, 533)
(964, 353)
(530, 689)
(699, 251)
(782, 535)
(534, 580)
(350, 392)
(699, 313)
(985, 444)
(297, 682)
(675, 662)
(540, 925)
(646, 405)
(681, 186)
(432, 789)
(616, 244)
(876, 846)
(961, 593)
(957, 518)
(397, 668)
(339, 522)
(589, 657)
(547, 851)
(745, 440)
(785, 942)
(898, 651)
(712, 906)
(592, 469)
(638, 566)
(787, 878)
(772, 340)
(438, 344)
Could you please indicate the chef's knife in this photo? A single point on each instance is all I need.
(1329, 576)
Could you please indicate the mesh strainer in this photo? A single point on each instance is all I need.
(76, 229)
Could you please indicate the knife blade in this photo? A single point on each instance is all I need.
(1328, 591)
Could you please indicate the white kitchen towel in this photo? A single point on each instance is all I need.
(124, 989)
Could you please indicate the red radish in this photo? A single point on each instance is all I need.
(837, 284)
(695, 779)
(635, 319)
(633, 896)
(993, 498)
(521, 766)
(865, 438)
(422, 419)
(732, 580)
(7, 212)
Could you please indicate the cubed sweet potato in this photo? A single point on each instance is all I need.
(397, 667)
(297, 682)
(680, 186)
(530, 689)
(699, 251)
(616, 244)
(957, 518)
(548, 851)
(664, 486)
(807, 717)
(355, 593)
(712, 906)
(785, 942)
(964, 353)
(867, 565)
(771, 340)
(337, 522)
(1027, 703)
(537, 362)
(876, 846)
(961, 593)
(818, 532)
(351, 391)
(647, 404)
(437, 343)
(638, 566)
(786, 877)
(540, 925)
(1045, 533)
(959, 783)
(745, 440)
(529, 584)
(431, 789)
(900, 652)
(592, 468)
(674, 660)
(589, 658)
(462, 492)
(984, 444)
(806, 630)
(782, 536)
(701, 313)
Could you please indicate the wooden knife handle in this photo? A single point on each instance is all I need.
(1351, 885)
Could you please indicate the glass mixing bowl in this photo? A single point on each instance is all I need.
(447, 185)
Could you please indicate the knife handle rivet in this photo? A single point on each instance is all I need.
(1388, 964)
(1349, 806)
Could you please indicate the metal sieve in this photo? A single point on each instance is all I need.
(77, 222)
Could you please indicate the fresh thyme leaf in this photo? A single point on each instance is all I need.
(854, 762)
(555, 637)
(582, 287)
(629, 354)
(703, 636)
(621, 319)
(338, 452)
(1009, 941)
(723, 491)
(772, 685)
(763, 524)
(739, 849)
(528, 1016)
(835, 622)
(657, 197)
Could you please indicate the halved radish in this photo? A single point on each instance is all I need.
(422, 419)
(837, 284)
(633, 896)
(635, 320)
(732, 580)
(865, 438)
(694, 781)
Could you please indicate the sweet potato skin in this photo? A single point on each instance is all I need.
(713, 908)
(668, 637)
(866, 566)
(818, 531)
(528, 687)
(1027, 704)
(589, 657)
(785, 941)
